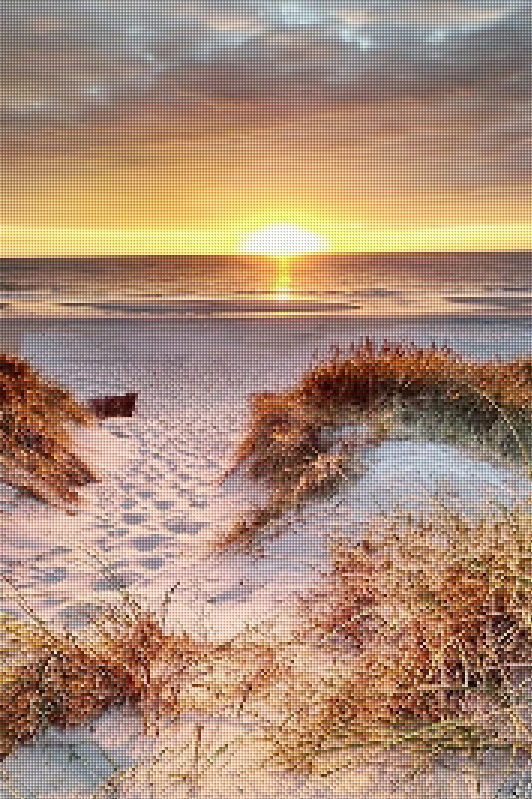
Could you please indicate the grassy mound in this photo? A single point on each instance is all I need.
(393, 389)
(49, 677)
(34, 441)
(433, 625)
(285, 428)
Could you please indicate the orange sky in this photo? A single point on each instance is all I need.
(403, 176)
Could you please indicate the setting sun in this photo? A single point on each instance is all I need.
(283, 240)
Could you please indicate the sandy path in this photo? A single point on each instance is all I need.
(150, 518)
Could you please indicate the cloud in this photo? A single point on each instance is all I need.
(66, 59)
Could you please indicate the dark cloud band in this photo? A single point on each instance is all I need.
(62, 60)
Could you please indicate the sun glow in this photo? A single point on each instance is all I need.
(283, 283)
(282, 241)
(71, 241)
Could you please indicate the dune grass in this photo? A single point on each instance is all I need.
(35, 453)
(393, 390)
(428, 621)
(285, 428)
(433, 622)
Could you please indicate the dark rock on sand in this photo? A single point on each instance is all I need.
(117, 405)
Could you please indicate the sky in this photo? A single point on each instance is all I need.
(158, 127)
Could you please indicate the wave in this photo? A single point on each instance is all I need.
(214, 306)
(500, 302)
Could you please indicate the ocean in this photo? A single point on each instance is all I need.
(451, 285)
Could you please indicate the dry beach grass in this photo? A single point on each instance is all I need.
(433, 623)
(289, 437)
(285, 428)
(427, 622)
(36, 457)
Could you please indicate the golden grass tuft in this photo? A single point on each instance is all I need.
(34, 440)
(433, 624)
(50, 677)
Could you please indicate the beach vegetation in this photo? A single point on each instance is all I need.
(378, 393)
(424, 623)
(36, 454)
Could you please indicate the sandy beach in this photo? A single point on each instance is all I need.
(149, 522)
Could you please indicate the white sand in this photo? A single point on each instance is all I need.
(136, 520)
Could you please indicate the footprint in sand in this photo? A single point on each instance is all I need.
(152, 563)
(113, 581)
(145, 494)
(145, 543)
(134, 518)
(52, 602)
(183, 526)
(116, 532)
(78, 615)
(52, 577)
(198, 502)
(165, 504)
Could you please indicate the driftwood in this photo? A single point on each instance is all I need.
(119, 405)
